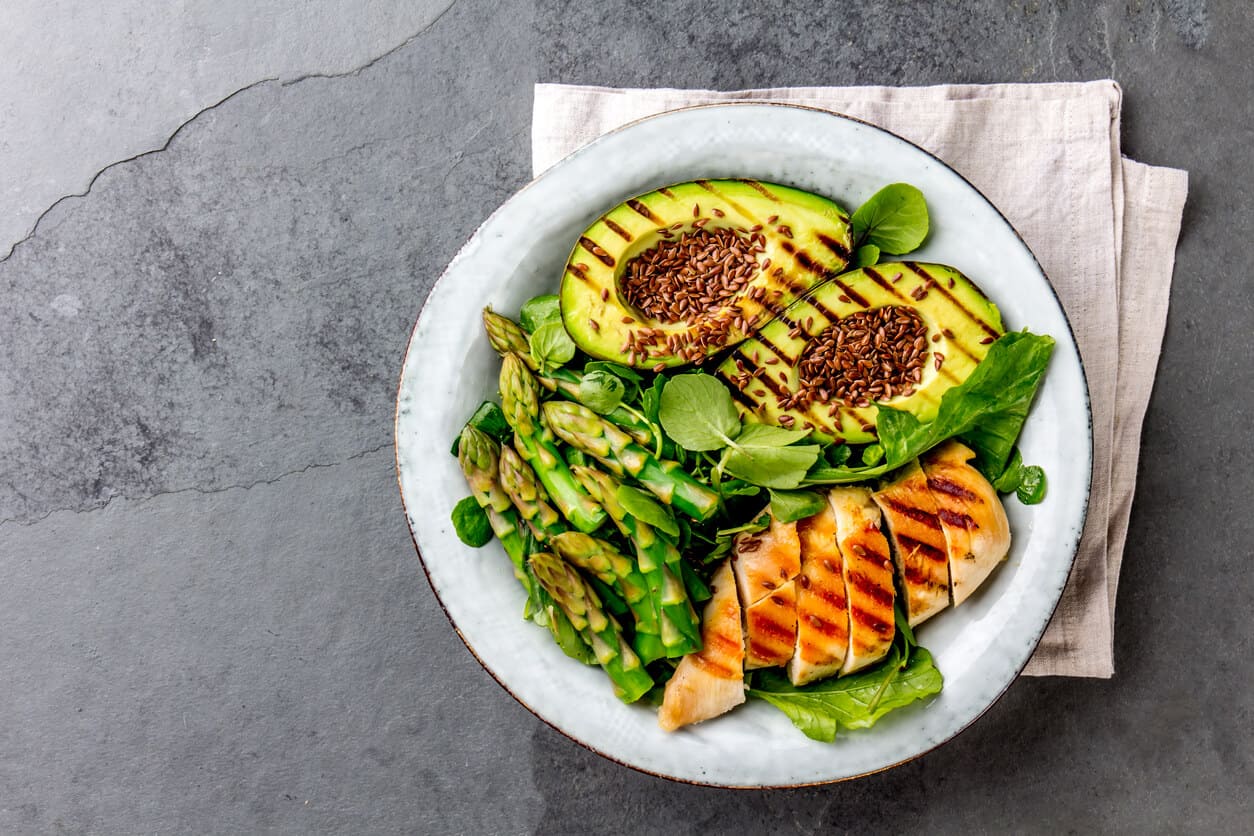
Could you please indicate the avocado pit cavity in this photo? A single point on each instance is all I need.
(872, 355)
(686, 278)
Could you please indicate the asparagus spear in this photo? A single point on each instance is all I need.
(520, 400)
(527, 494)
(584, 430)
(580, 604)
(478, 455)
(615, 569)
(660, 563)
(507, 336)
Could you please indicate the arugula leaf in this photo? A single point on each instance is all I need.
(997, 395)
(601, 391)
(697, 412)
(538, 311)
(867, 255)
(1031, 489)
(490, 419)
(761, 454)
(644, 507)
(789, 506)
(851, 702)
(471, 523)
(894, 219)
(551, 346)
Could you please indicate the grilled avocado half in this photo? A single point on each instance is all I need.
(959, 324)
(804, 240)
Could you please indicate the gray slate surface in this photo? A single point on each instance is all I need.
(212, 619)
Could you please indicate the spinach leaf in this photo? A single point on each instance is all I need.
(1032, 486)
(697, 412)
(894, 219)
(644, 507)
(872, 454)
(997, 395)
(789, 506)
(1008, 480)
(601, 391)
(867, 255)
(851, 702)
(471, 523)
(551, 346)
(539, 311)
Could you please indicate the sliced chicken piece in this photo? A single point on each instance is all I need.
(977, 533)
(918, 542)
(771, 628)
(711, 681)
(868, 576)
(822, 608)
(765, 561)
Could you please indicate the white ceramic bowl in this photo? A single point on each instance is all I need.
(519, 252)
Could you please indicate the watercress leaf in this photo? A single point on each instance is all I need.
(738, 487)
(867, 256)
(644, 507)
(850, 702)
(651, 400)
(601, 391)
(790, 506)
(836, 454)
(872, 454)
(759, 523)
(551, 346)
(1032, 485)
(471, 523)
(771, 466)
(696, 410)
(539, 311)
(765, 435)
(627, 373)
(1008, 480)
(894, 219)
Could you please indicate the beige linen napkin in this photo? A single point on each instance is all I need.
(1104, 228)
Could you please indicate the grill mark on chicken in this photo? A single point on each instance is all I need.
(919, 547)
(870, 589)
(956, 518)
(941, 484)
(919, 515)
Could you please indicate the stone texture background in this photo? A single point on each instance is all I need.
(211, 616)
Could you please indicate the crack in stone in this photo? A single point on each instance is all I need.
(244, 486)
(34, 230)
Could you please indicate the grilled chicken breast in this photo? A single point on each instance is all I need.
(868, 576)
(977, 533)
(765, 561)
(822, 608)
(771, 628)
(711, 681)
(918, 542)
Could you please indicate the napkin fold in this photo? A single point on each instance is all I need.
(1103, 227)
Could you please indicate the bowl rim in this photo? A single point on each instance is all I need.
(1081, 522)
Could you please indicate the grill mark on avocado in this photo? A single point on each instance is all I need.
(596, 251)
(709, 187)
(617, 230)
(940, 288)
(803, 258)
(644, 211)
(835, 246)
(884, 283)
(758, 187)
(855, 296)
(577, 271)
(667, 192)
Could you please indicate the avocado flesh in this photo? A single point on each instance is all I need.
(961, 324)
(603, 323)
